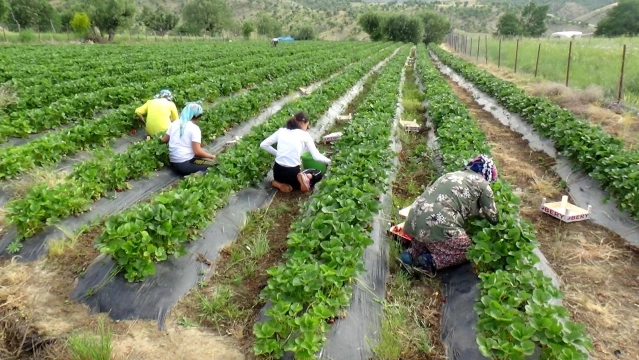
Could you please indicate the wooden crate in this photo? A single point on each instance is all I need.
(410, 125)
(348, 117)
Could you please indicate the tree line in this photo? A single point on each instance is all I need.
(426, 26)
(105, 18)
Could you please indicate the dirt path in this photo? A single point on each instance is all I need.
(34, 299)
(599, 274)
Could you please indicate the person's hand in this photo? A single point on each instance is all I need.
(212, 157)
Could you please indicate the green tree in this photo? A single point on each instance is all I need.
(268, 26)
(159, 20)
(373, 25)
(305, 32)
(247, 29)
(400, 27)
(109, 16)
(210, 15)
(80, 23)
(31, 14)
(4, 10)
(436, 27)
(533, 19)
(621, 20)
(508, 25)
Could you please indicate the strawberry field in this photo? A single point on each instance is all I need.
(96, 229)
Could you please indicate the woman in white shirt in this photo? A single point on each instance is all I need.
(185, 142)
(291, 143)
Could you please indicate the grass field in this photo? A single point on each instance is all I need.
(594, 61)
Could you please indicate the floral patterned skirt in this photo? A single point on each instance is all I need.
(449, 252)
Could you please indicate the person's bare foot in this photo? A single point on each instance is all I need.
(285, 188)
(305, 182)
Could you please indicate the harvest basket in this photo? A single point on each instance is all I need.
(397, 231)
(565, 211)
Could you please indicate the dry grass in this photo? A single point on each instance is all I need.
(38, 176)
(7, 95)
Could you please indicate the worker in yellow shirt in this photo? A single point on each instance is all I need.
(160, 112)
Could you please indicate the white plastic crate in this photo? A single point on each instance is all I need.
(410, 125)
(565, 211)
(348, 117)
(332, 137)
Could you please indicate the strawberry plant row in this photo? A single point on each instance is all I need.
(92, 179)
(149, 232)
(516, 308)
(51, 148)
(219, 81)
(590, 148)
(39, 96)
(85, 63)
(325, 248)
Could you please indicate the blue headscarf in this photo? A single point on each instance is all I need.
(164, 94)
(190, 111)
(484, 166)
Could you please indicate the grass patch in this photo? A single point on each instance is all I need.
(91, 346)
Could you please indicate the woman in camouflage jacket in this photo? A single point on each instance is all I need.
(436, 220)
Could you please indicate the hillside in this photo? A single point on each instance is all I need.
(337, 19)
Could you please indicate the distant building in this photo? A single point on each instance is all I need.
(567, 34)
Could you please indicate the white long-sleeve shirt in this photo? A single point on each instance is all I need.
(290, 146)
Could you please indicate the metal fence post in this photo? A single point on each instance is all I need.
(516, 55)
(486, 46)
(537, 63)
(471, 47)
(568, 69)
(623, 68)
(499, 56)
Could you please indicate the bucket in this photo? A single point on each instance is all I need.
(309, 163)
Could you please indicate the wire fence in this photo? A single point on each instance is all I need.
(610, 64)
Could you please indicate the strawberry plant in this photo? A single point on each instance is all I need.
(590, 148)
(174, 217)
(515, 308)
(108, 173)
(326, 246)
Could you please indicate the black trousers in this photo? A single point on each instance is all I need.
(192, 166)
(288, 175)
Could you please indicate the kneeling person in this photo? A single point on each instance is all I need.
(291, 143)
(185, 142)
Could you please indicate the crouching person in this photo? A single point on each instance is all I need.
(436, 220)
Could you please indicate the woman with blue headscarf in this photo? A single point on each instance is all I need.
(436, 219)
(185, 142)
(160, 112)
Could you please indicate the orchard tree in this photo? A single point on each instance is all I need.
(31, 14)
(621, 20)
(533, 19)
(210, 15)
(305, 32)
(80, 23)
(436, 27)
(508, 25)
(4, 11)
(109, 16)
(400, 27)
(247, 29)
(268, 26)
(373, 24)
(159, 20)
